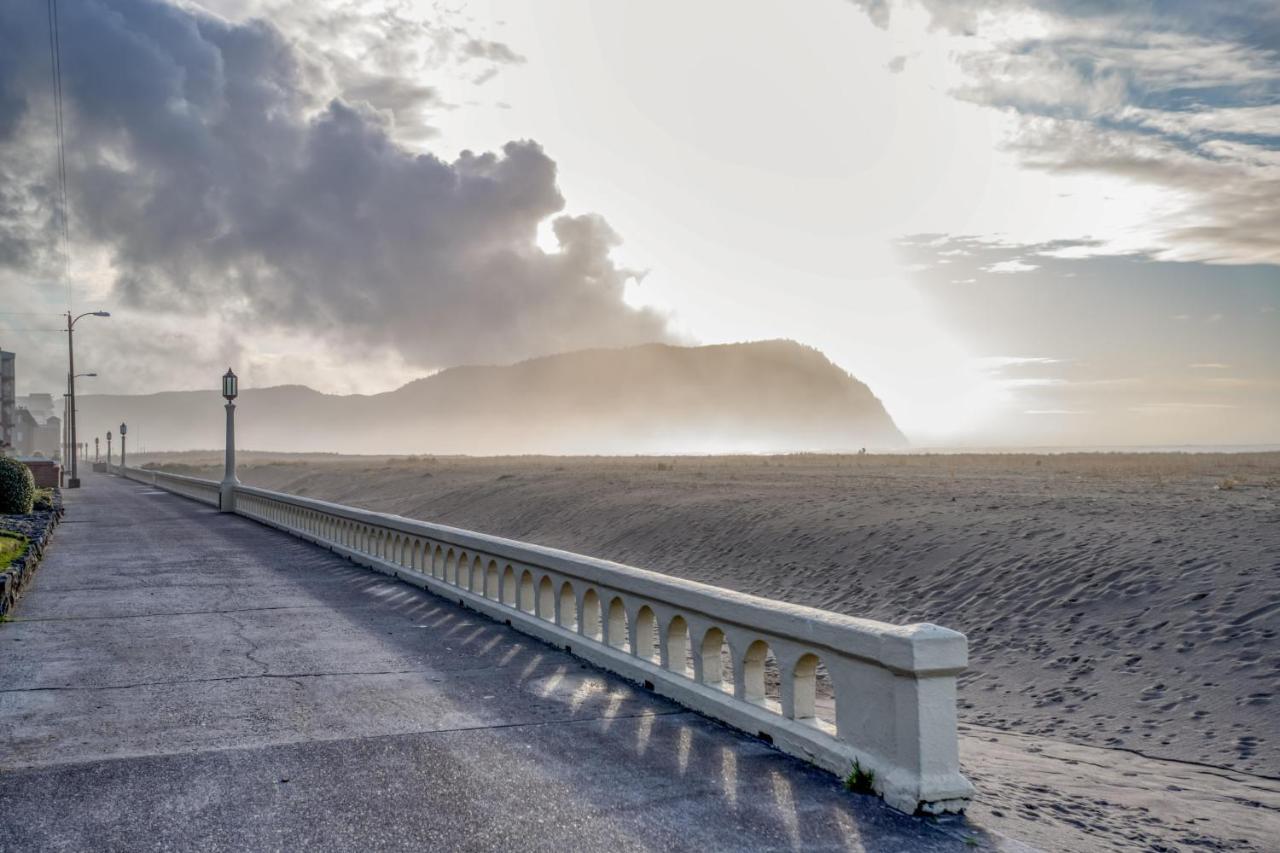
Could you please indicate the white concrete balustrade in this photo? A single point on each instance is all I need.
(753, 663)
(205, 491)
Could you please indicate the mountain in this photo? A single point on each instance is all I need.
(765, 396)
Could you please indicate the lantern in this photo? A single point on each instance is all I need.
(230, 385)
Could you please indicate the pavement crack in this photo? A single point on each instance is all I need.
(569, 721)
(180, 613)
(286, 676)
(253, 645)
(260, 747)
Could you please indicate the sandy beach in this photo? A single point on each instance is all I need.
(1126, 603)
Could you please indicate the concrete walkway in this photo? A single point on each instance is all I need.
(182, 680)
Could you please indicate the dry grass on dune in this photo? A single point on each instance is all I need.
(1256, 468)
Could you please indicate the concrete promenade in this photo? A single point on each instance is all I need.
(179, 679)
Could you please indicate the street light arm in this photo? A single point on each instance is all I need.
(91, 314)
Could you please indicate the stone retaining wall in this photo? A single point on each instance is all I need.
(38, 528)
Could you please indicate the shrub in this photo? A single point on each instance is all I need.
(17, 487)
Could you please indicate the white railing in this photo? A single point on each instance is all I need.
(893, 687)
(205, 491)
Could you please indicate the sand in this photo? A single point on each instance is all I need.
(1125, 606)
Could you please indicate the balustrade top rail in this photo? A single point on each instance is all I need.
(893, 686)
(920, 648)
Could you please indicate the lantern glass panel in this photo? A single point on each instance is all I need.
(229, 385)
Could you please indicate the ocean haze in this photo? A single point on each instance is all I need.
(766, 396)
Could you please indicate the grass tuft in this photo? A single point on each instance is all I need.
(860, 780)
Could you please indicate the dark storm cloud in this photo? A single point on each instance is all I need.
(205, 156)
(1179, 94)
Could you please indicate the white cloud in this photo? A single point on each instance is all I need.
(1013, 266)
(999, 362)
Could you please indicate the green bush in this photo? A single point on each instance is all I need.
(44, 500)
(17, 487)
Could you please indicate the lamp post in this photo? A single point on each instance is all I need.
(123, 429)
(74, 481)
(97, 453)
(108, 451)
(227, 494)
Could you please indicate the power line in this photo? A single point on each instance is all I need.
(55, 62)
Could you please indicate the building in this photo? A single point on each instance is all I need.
(39, 405)
(33, 438)
(38, 431)
(8, 400)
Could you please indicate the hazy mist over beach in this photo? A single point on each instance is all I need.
(771, 396)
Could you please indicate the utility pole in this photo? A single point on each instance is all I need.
(74, 481)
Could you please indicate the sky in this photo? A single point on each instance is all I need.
(1036, 223)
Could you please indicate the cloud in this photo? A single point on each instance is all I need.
(378, 54)
(223, 168)
(1179, 95)
(492, 50)
(1000, 362)
(1012, 266)
(877, 11)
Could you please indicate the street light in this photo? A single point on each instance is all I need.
(124, 428)
(74, 481)
(227, 492)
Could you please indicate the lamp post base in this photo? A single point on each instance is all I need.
(227, 496)
(73, 483)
